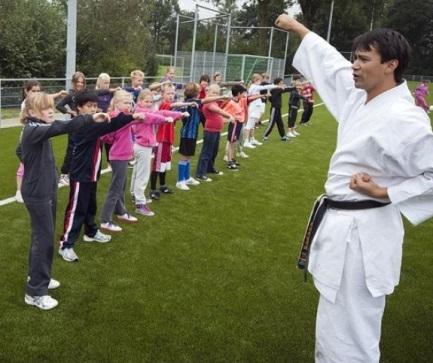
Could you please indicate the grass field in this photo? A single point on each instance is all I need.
(210, 278)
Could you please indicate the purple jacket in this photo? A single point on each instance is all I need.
(421, 90)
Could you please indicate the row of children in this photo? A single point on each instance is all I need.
(137, 123)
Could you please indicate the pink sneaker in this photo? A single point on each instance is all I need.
(144, 210)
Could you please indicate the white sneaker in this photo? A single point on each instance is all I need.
(249, 145)
(291, 134)
(64, 179)
(182, 185)
(98, 237)
(256, 142)
(127, 218)
(192, 181)
(53, 284)
(68, 254)
(296, 133)
(111, 227)
(242, 155)
(19, 197)
(45, 302)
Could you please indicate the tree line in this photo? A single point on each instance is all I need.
(117, 36)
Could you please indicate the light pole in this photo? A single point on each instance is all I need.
(71, 41)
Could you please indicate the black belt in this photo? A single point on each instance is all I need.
(320, 206)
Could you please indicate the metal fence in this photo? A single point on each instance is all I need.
(11, 94)
(237, 67)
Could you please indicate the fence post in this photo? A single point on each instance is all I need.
(285, 54)
(176, 39)
(194, 37)
(204, 64)
(270, 49)
(243, 68)
(229, 24)
(214, 48)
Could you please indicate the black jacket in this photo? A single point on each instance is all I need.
(40, 177)
(276, 93)
(86, 154)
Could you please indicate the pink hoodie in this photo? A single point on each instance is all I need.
(145, 132)
(120, 140)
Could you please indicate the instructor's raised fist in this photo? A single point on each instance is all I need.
(286, 22)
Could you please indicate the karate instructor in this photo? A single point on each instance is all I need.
(382, 168)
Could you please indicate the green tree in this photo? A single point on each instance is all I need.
(32, 34)
(113, 37)
(414, 20)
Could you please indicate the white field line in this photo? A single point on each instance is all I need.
(108, 170)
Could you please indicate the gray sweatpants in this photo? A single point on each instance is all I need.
(43, 221)
(141, 172)
(115, 199)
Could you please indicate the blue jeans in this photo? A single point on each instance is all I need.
(208, 153)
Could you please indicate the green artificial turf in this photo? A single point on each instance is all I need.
(210, 278)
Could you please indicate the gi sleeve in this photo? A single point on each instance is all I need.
(414, 196)
(328, 70)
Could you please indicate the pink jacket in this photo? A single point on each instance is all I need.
(121, 141)
(145, 132)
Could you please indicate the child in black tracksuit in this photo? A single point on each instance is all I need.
(294, 103)
(85, 169)
(39, 190)
(275, 117)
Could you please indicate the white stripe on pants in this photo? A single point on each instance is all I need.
(141, 172)
(349, 330)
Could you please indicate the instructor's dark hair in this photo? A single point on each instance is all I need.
(390, 44)
(84, 96)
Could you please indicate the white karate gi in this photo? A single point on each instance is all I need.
(356, 256)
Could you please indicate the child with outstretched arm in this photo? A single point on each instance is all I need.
(39, 190)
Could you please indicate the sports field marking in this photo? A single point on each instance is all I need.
(107, 170)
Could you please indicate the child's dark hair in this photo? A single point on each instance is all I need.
(84, 96)
(237, 89)
(28, 85)
(278, 80)
(191, 90)
(390, 44)
(204, 77)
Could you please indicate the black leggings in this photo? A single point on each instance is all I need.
(154, 179)
(293, 113)
(308, 111)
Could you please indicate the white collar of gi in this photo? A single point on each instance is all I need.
(399, 91)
